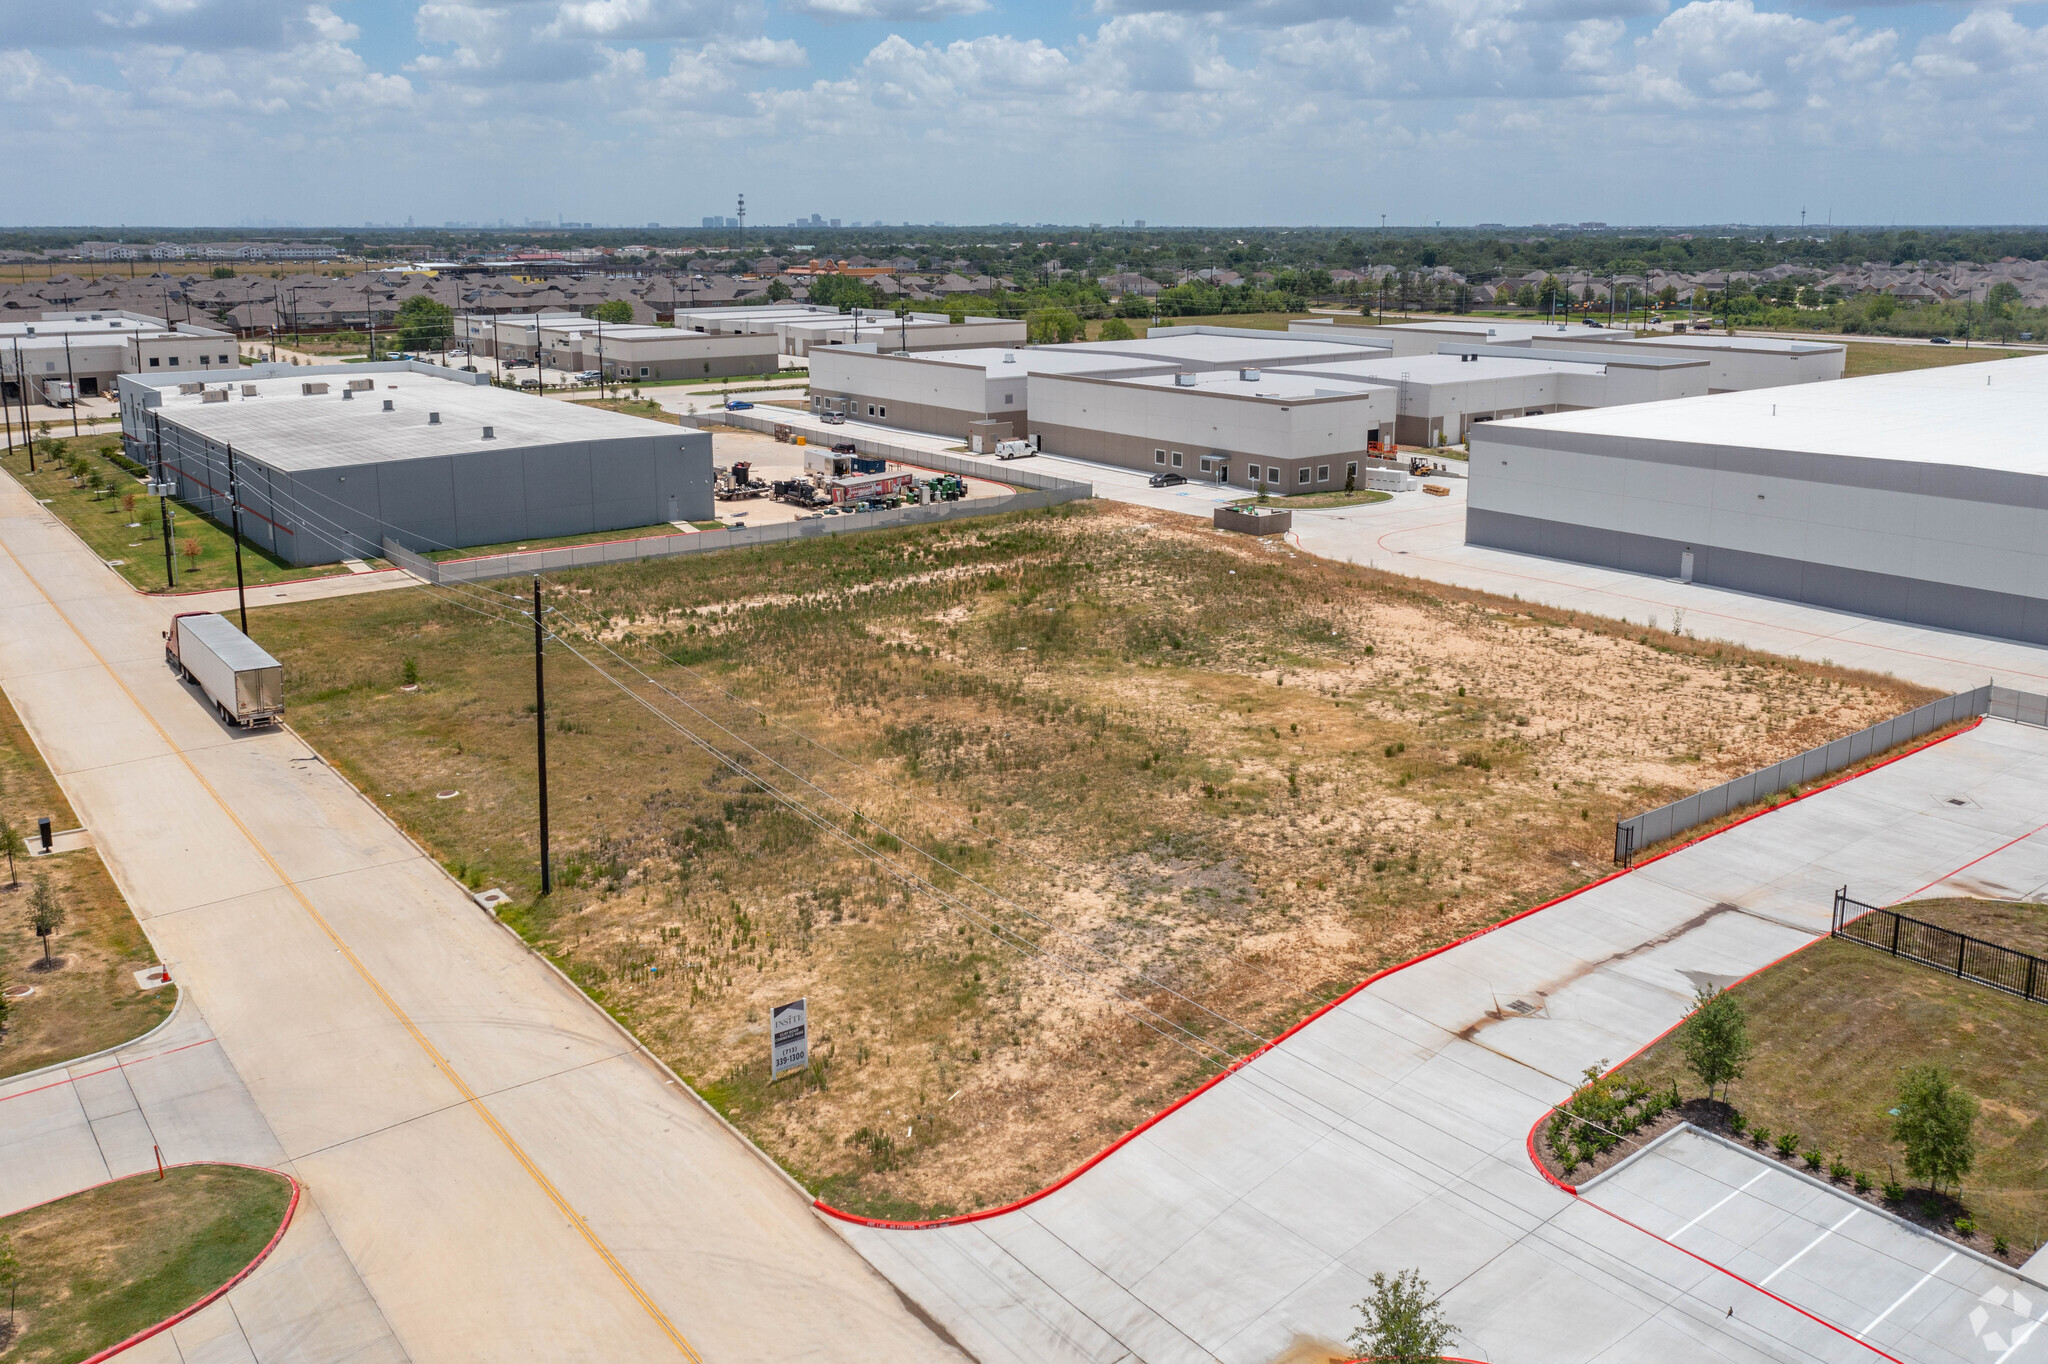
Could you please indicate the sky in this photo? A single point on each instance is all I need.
(1197, 112)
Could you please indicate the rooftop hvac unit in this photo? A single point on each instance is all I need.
(312, 390)
(248, 390)
(214, 395)
(1184, 379)
(348, 393)
(1249, 376)
(189, 389)
(362, 385)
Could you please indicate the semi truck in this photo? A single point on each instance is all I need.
(238, 675)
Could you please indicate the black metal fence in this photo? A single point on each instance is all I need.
(1987, 963)
(1654, 826)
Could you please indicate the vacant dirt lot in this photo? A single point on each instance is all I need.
(1048, 816)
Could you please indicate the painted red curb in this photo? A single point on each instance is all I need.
(244, 1272)
(218, 1293)
(1085, 1166)
(135, 1061)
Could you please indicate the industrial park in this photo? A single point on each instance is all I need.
(884, 681)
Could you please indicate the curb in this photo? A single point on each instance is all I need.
(177, 1008)
(1085, 1166)
(290, 1209)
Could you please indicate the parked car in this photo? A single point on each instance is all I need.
(588, 376)
(845, 447)
(529, 383)
(737, 406)
(1938, 341)
(1167, 480)
(519, 364)
(833, 418)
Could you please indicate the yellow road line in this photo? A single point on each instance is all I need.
(441, 1063)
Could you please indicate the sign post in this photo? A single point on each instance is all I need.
(789, 1039)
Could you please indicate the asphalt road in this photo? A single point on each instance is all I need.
(504, 1174)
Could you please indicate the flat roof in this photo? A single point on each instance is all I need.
(1208, 350)
(1497, 326)
(290, 430)
(1002, 362)
(1271, 385)
(1986, 416)
(1441, 369)
(1769, 345)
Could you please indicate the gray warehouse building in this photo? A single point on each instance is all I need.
(1920, 496)
(330, 460)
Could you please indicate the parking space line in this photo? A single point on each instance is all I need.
(1905, 1295)
(1809, 1246)
(1717, 1207)
(2021, 1337)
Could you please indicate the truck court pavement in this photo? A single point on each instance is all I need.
(1392, 1132)
(493, 1170)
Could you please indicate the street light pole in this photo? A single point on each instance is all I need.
(235, 511)
(540, 737)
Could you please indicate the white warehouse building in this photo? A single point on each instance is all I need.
(1920, 496)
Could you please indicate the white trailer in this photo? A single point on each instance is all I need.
(245, 684)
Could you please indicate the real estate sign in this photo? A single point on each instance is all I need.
(789, 1038)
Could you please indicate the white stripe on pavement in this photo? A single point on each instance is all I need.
(1809, 1246)
(1905, 1295)
(1717, 1207)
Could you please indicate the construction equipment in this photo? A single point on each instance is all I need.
(738, 483)
(1421, 467)
(783, 433)
(245, 684)
(799, 492)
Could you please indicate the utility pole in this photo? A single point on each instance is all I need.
(235, 509)
(21, 394)
(71, 379)
(163, 501)
(740, 242)
(540, 739)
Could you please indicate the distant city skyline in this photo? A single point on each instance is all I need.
(1283, 112)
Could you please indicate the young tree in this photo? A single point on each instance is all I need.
(1116, 329)
(777, 291)
(46, 912)
(190, 549)
(1715, 1040)
(1402, 1322)
(14, 846)
(1937, 1126)
(613, 310)
(424, 324)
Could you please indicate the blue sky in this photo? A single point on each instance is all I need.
(189, 112)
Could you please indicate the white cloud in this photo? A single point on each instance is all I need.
(886, 11)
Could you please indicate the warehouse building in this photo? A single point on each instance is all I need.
(328, 461)
(629, 353)
(976, 396)
(1290, 432)
(804, 327)
(1920, 496)
(1442, 397)
(66, 355)
(1735, 363)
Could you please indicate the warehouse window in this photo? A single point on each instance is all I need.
(1159, 456)
(883, 412)
(223, 359)
(871, 409)
(174, 362)
(1322, 473)
(1351, 470)
(1176, 459)
(643, 371)
(1009, 399)
(1304, 474)
(1272, 473)
(154, 361)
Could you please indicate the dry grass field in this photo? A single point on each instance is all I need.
(1048, 815)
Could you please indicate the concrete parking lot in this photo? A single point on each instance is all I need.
(1391, 1133)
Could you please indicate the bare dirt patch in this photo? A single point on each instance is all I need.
(1049, 816)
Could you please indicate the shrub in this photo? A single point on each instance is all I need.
(1894, 1192)
(1812, 1158)
(1760, 1135)
(1838, 1168)
(1999, 1245)
(1737, 1123)
(409, 671)
(1862, 1182)
(1787, 1143)
(1966, 1225)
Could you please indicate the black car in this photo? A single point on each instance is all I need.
(1938, 341)
(1167, 480)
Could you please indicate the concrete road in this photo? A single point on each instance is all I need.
(1391, 1133)
(507, 1175)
